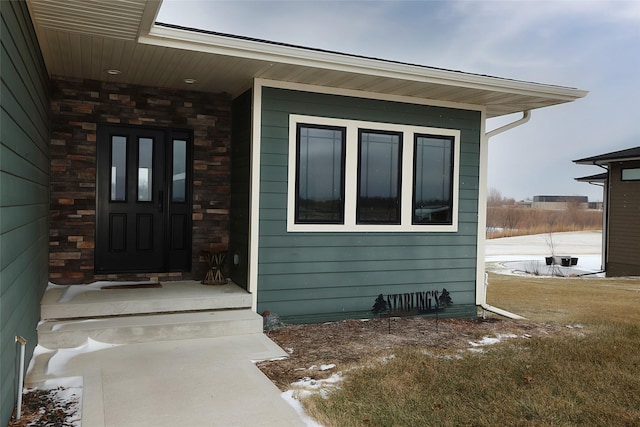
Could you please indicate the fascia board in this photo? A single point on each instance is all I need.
(619, 159)
(304, 87)
(151, 10)
(600, 162)
(251, 49)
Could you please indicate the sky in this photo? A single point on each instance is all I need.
(591, 45)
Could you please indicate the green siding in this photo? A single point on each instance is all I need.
(323, 276)
(24, 192)
(240, 184)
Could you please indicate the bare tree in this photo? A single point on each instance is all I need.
(495, 198)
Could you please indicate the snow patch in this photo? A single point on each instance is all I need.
(61, 357)
(525, 255)
(489, 341)
(310, 384)
(484, 341)
(321, 368)
(67, 393)
(385, 359)
(289, 397)
(578, 326)
(70, 292)
(274, 359)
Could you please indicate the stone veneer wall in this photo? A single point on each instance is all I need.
(77, 107)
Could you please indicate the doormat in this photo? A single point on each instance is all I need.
(134, 286)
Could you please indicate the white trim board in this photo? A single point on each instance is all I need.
(276, 84)
(254, 195)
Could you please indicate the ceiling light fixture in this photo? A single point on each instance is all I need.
(113, 71)
(190, 81)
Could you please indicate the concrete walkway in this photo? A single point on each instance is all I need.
(193, 382)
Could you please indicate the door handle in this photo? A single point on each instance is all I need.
(160, 201)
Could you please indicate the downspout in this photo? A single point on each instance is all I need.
(605, 222)
(482, 277)
(605, 218)
(526, 115)
(23, 343)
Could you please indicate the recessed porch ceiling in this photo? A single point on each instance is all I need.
(84, 39)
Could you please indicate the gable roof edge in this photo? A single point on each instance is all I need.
(171, 36)
(614, 156)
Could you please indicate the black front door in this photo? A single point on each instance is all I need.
(143, 200)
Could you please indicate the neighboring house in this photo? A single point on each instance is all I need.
(130, 147)
(621, 196)
(560, 202)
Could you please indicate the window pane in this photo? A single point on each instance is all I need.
(631, 174)
(118, 168)
(320, 175)
(433, 184)
(179, 174)
(145, 169)
(379, 178)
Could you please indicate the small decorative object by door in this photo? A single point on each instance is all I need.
(215, 275)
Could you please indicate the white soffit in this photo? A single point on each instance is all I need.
(119, 19)
(82, 39)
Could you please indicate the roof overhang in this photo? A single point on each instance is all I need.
(83, 39)
(594, 179)
(628, 155)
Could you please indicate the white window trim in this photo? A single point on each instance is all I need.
(351, 178)
(632, 174)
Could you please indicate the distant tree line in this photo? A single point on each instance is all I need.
(505, 218)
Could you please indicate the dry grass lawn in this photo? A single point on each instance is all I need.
(567, 300)
(575, 361)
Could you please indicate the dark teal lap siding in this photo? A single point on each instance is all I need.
(24, 192)
(328, 275)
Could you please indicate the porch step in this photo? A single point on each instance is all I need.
(137, 314)
(55, 334)
(91, 301)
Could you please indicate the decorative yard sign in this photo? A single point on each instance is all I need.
(412, 303)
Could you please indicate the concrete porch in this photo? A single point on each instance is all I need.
(180, 354)
(125, 314)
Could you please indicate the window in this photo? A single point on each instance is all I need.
(631, 174)
(118, 169)
(179, 171)
(379, 177)
(432, 178)
(320, 175)
(351, 175)
(145, 169)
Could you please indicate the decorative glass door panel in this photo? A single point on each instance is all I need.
(118, 168)
(145, 169)
(179, 182)
(139, 227)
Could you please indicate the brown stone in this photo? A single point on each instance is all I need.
(64, 255)
(78, 107)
